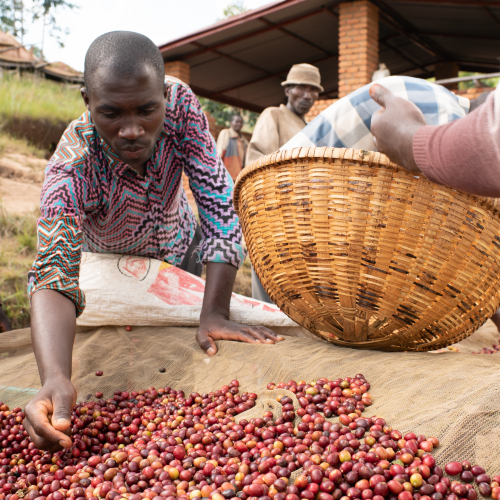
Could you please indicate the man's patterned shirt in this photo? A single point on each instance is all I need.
(93, 202)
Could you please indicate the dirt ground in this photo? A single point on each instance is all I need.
(19, 197)
(21, 178)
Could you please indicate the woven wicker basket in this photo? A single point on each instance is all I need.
(364, 254)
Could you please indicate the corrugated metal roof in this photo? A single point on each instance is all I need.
(243, 60)
(12, 52)
(15, 55)
(61, 71)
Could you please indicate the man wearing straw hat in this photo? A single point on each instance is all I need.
(276, 126)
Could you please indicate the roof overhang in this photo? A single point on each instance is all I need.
(241, 61)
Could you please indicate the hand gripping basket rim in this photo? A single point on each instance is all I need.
(325, 154)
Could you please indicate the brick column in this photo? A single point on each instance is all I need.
(443, 71)
(318, 107)
(212, 125)
(358, 45)
(178, 69)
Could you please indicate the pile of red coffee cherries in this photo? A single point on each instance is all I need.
(161, 444)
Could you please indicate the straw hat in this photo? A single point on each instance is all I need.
(304, 74)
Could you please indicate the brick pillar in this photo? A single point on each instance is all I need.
(358, 45)
(212, 124)
(178, 69)
(443, 71)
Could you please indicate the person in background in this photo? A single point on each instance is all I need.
(232, 146)
(5, 325)
(276, 126)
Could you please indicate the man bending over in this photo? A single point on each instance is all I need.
(114, 186)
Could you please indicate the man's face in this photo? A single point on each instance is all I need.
(128, 113)
(301, 98)
(237, 123)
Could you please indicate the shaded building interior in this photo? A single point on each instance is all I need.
(241, 61)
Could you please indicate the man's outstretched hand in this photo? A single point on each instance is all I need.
(219, 328)
(48, 415)
(394, 126)
(214, 318)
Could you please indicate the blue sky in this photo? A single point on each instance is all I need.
(160, 20)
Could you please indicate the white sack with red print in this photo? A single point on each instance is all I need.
(137, 291)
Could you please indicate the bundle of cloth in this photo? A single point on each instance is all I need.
(347, 122)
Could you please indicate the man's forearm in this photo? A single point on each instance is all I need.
(218, 289)
(53, 328)
(464, 154)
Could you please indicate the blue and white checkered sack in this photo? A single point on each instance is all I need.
(346, 123)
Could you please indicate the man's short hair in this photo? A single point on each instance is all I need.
(236, 115)
(123, 53)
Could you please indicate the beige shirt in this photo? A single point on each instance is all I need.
(232, 148)
(274, 128)
(223, 140)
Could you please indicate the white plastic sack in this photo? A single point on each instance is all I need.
(138, 291)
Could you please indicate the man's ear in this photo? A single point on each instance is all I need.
(287, 90)
(85, 97)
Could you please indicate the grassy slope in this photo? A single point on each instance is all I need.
(17, 252)
(9, 144)
(38, 98)
(17, 245)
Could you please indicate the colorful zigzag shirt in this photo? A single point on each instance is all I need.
(93, 202)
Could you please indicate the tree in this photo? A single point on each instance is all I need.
(487, 82)
(12, 17)
(44, 10)
(223, 113)
(15, 14)
(233, 10)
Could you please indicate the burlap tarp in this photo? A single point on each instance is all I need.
(454, 396)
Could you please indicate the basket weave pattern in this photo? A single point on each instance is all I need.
(364, 254)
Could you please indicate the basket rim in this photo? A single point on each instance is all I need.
(327, 154)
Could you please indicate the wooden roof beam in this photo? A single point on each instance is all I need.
(231, 22)
(467, 3)
(478, 63)
(300, 38)
(276, 74)
(491, 15)
(240, 61)
(462, 35)
(404, 56)
(395, 20)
